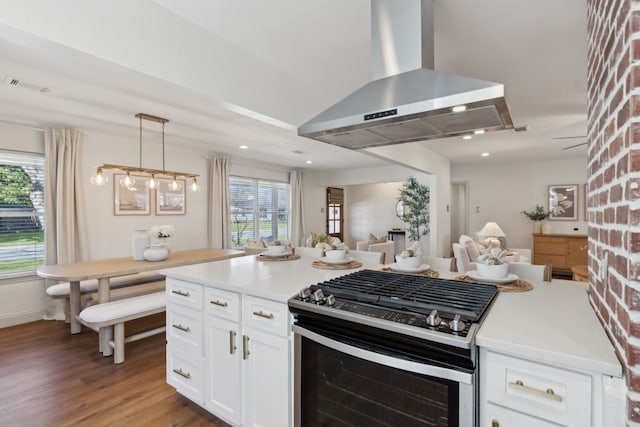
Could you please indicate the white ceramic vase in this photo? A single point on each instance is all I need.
(139, 242)
(537, 227)
(546, 228)
(165, 241)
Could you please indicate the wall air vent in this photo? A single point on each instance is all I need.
(15, 82)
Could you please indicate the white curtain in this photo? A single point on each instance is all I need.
(65, 228)
(219, 204)
(297, 209)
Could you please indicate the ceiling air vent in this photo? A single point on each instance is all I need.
(13, 81)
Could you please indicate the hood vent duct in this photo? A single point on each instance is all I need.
(408, 100)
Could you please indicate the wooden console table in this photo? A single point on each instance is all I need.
(562, 251)
(105, 269)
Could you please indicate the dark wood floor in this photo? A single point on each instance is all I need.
(51, 378)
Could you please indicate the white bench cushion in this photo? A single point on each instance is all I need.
(61, 290)
(112, 312)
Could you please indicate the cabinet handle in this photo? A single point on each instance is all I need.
(219, 303)
(245, 347)
(495, 423)
(549, 393)
(182, 373)
(181, 293)
(232, 342)
(182, 328)
(262, 314)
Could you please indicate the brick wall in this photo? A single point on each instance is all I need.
(613, 201)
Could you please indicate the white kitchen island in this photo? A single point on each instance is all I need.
(229, 346)
(544, 359)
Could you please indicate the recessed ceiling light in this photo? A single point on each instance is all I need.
(459, 108)
(478, 131)
(467, 137)
(308, 162)
(485, 154)
(244, 147)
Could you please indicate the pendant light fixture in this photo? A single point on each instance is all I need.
(128, 181)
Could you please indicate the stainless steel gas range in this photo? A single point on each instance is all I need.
(374, 348)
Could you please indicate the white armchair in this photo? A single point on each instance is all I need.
(387, 248)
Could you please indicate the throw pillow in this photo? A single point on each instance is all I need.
(503, 242)
(373, 239)
(472, 250)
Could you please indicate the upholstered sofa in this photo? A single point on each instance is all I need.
(467, 250)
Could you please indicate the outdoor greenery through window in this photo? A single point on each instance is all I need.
(21, 213)
(259, 210)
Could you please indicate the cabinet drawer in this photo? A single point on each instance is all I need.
(551, 248)
(184, 293)
(542, 391)
(266, 315)
(223, 304)
(578, 246)
(184, 329)
(497, 416)
(185, 372)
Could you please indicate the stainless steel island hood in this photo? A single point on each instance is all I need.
(408, 100)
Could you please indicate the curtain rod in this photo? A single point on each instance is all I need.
(20, 125)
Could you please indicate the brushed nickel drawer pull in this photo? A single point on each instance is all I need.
(262, 314)
(181, 293)
(549, 393)
(182, 328)
(245, 347)
(232, 342)
(219, 303)
(182, 373)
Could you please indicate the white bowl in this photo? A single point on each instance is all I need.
(335, 254)
(499, 271)
(408, 262)
(275, 250)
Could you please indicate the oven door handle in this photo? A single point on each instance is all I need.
(393, 362)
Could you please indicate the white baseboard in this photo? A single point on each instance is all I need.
(20, 318)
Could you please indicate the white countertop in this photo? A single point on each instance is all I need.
(553, 323)
(274, 280)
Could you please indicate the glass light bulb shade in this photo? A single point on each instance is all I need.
(153, 182)
(195, 187)
(99, 178)
(175, 185)
(127, 181)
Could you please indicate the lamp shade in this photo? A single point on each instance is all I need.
(491, 229)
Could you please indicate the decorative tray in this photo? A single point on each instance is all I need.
(324, 265)
(517, 285)
(289, 257)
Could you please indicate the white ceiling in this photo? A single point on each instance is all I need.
(199, 62)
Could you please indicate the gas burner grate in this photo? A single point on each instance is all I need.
(467, 299)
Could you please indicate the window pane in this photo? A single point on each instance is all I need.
(21, 213)
(267, 201)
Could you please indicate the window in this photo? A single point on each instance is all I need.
(21, 213)
(259, 210)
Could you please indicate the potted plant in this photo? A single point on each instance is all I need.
(537, 216)
(415, 202)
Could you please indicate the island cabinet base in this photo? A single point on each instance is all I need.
(230, 353)
(516, 391)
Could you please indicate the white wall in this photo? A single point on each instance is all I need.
(501, 192)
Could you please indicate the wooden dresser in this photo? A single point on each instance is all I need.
(562, 251)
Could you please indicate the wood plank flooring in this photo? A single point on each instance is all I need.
(51, 378)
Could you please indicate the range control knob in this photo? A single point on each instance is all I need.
(433, 319)
(456, 324)
(318, 296)
(331, 300)
(305, 294)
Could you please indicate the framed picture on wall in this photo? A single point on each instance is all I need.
(563, 202)
(171, 201)
(132, 199)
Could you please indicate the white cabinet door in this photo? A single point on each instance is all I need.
(223, 394)
(266, 384)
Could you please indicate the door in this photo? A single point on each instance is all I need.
(335, 212)
(459, 210)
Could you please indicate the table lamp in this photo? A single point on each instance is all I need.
(491, 231)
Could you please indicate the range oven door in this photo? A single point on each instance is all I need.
(349, 380)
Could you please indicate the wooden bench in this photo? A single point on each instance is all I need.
(116, 313)
(61, 290)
